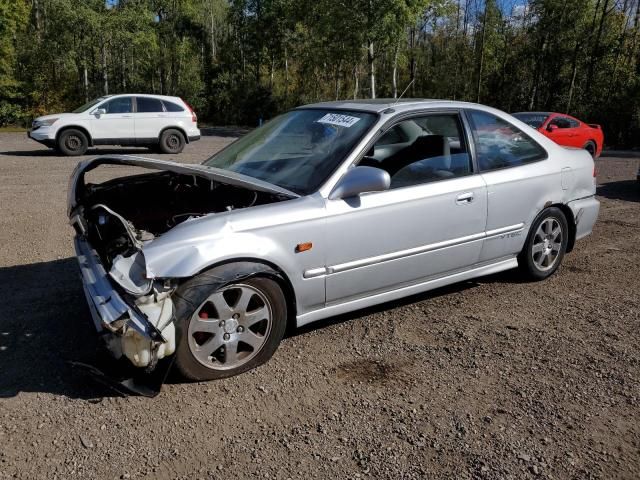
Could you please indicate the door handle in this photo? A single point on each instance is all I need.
(126, 116)
(464, 198)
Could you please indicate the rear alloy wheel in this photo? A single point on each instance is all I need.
(546, 245)
(591, 148)
(73, 142)
(231, 330)
(171, 141)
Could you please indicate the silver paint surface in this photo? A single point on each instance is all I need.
(383, 245)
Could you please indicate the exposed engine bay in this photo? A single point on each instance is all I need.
(115, 219)
(123, 214)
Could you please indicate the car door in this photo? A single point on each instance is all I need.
(429, 223)
(116, 125)
(150, 118)
(519, 180)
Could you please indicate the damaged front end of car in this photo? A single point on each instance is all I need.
(133, 309)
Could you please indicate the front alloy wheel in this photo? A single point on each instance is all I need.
(230, 327)
(227, 331)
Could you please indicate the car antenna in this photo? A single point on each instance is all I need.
(404, 91)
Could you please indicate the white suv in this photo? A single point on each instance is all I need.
(167, 123)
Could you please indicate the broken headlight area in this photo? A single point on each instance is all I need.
(114, 221)
(134, 314)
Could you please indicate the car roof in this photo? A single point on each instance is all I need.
(166, 97)
(380, 104)
(546, 114)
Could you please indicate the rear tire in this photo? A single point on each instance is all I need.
(171, 141)
(591, 148)
(242, 324)
(72, 142)
(546, 245)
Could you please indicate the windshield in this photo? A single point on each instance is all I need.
(88, 105)
(534, 120)
(297, 150)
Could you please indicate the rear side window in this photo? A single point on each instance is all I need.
(172, 107)
(500, 144)
(118, 105)
(148, 104)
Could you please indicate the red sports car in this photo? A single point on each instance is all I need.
(566, 130)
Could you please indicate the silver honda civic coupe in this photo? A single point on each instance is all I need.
(325, 209)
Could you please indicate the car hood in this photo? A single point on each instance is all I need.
(55, 115)
(223, 176)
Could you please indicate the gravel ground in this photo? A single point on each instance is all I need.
(492, 378)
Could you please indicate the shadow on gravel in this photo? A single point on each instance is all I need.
(44, 323)
(92, 151)
(628, 190)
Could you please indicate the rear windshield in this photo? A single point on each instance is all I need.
(534, 120)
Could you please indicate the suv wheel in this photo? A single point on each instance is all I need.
(545, 246)
(227, 331)
(73, 142)
(171, 141)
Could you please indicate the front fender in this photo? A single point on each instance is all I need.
(188, 258)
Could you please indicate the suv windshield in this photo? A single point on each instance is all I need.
(534, 120)
(88, 105)
(297, 150)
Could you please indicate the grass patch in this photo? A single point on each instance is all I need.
(13, 129)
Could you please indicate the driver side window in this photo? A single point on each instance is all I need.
(561, 122)
(118, 105)
(421, 150)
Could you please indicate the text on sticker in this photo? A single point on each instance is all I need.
(339, 120)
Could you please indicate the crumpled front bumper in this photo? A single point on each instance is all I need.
(113, 315)
(109, 310)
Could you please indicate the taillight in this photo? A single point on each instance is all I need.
(194, 117)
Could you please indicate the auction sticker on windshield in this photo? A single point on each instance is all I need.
(339, 120)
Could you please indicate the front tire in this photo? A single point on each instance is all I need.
(227, 331)
(546, 245)
(73, 143)
(171, 141)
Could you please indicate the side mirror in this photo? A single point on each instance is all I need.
(552, 127)
(359, 180)
(99, 111)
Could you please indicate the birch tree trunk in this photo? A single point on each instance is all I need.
(212, 38)
(85, 82)
(481, 61)
(574, 73)
(372, 68)
(394, 76)
(355, 82)
(105, 73)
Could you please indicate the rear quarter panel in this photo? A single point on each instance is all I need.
(517, 195)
